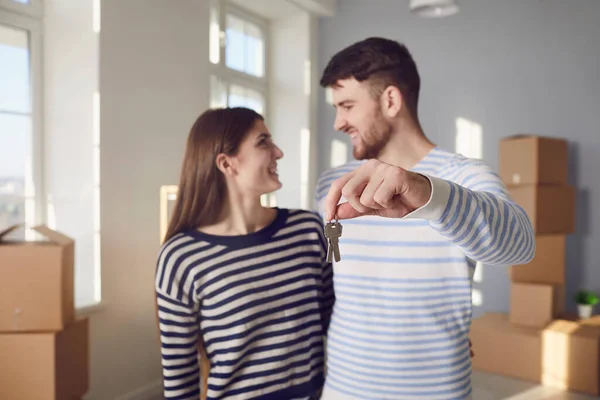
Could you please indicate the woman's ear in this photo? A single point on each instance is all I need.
(225, 165)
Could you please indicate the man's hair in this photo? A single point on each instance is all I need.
(382, 63)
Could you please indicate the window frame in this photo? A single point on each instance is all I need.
(230, 76)
(13, 14)
(32, 9)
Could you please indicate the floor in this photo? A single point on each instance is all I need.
(495, 387)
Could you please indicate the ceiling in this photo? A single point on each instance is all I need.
(269, 9)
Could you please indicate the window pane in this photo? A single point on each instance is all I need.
(234, 50)
(12, 210)
(240, 96)
(255, 50)
(255, 101)
(15, 147)
(245, 49)
(218, 93)
(14, 69)
(15, 168)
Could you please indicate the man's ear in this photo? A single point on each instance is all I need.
(225, 164)
(392, 101)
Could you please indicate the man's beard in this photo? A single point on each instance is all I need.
(374, 140)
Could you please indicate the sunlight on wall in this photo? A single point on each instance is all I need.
(168, 195)
(304, 167)
(96, 13)
(96, 167)
(478, 275)
(328, 96)
(307, 77)
(477, 297)
(50, 213)
(215, 34)
(339, 153)
(468, 138)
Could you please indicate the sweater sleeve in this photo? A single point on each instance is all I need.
(179, 336)
(474, 211)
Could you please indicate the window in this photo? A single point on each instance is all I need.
(244, 46)
(238, 53)
(20, 187)
(32, 8)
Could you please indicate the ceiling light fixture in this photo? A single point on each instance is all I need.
(433, 8)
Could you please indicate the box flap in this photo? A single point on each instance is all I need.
(43, 232)
(519, 136)
(577, 328)
(9, 230)
(54, 236)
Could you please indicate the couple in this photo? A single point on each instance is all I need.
(249, 288)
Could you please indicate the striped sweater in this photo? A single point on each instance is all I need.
(261, 303)
(403, 308)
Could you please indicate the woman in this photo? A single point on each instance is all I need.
(247, 284)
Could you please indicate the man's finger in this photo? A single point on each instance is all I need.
(367, 198)
(385, 195)
(335, 194)
(346, 211)
(354, 188)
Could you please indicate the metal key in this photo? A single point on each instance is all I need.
(333, 231)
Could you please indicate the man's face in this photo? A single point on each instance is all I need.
(360, 116)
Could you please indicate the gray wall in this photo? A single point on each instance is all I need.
(512, 67)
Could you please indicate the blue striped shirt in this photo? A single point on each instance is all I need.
(403, 307)
(261, 303)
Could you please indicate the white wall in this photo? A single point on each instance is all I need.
(153, 84)
(70, 65)
(292, 97)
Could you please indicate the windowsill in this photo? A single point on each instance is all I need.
(91, 309)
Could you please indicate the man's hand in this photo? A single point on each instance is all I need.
(377, 188)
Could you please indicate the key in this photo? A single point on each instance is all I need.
(333, 231)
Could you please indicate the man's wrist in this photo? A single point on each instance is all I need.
(437, 203)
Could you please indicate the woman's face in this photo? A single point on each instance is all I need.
(255, 164)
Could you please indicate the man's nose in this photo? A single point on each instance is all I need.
(339, 123)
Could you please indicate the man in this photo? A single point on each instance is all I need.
(403, 307)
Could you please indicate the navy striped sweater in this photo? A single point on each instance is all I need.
(261, 303)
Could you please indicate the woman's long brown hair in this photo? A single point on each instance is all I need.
(202, 191)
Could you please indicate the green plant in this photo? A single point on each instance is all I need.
(586, 297)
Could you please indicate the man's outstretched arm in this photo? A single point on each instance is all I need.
(475, 213)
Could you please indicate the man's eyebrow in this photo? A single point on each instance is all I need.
(343, 103)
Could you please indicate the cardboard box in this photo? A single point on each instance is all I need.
(533, 160)
(551, 209)
(571, 355)
(547, 265)
(535, 305)
(506, 349)
(45, 366)
(37, 281)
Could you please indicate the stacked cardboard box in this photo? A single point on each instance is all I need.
(529, 342)
(43, 347)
